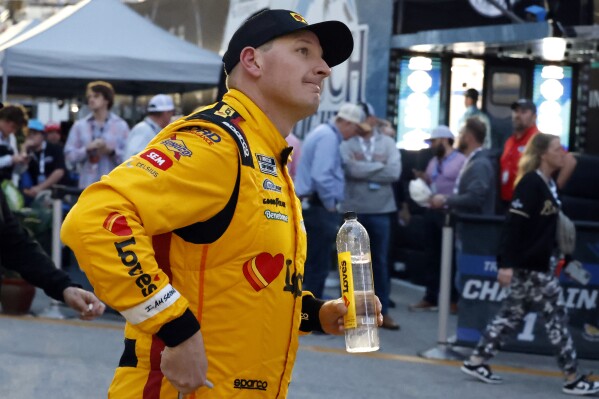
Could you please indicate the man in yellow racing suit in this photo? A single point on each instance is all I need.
(202, 228)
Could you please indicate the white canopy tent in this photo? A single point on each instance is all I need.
(103, 39)
(18, 29)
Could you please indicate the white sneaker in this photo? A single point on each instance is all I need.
(482, 372)
(581, 386)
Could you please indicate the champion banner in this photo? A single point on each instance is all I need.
(476, 246)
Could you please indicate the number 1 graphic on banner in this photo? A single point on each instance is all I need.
(529, 324)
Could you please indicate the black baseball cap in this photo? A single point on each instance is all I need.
(335, 37)
(524, 104)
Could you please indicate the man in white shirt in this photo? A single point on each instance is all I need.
(160, 111)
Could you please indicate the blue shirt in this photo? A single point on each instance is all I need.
(319, 170)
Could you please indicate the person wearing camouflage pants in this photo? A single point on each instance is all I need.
(531, 291)
(526, 260)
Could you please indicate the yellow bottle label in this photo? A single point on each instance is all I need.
(347, 289)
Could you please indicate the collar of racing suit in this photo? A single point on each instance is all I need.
(257, 121)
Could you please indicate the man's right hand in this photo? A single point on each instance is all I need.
(185, 365)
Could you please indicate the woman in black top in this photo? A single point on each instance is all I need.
(528, 241)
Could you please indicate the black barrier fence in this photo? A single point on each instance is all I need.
(476, 245)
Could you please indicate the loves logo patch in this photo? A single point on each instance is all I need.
(157, 158)
(117, 224)
(263, 269)
(346, 301)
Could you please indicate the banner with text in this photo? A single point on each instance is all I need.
(481, 296)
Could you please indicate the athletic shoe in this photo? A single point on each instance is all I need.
(482, 372)
(581, 386)
(423, 306)
(389, 323)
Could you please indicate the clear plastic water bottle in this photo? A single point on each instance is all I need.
(357, 288)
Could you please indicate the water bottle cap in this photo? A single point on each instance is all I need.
(350, 215)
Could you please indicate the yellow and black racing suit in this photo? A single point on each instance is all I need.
(201, 228)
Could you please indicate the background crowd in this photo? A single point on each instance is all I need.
(348, 163)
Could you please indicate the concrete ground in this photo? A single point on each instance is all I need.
(64, 359)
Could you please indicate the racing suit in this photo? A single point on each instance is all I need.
(203, 226)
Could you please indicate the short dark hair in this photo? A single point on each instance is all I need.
(15, 114)
(472, 94)
(103, 88)
(477, 128)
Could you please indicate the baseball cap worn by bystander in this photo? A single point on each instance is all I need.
(35, 125)
(441, 132)
(335, 38)
(355, 114)
(52, 127)
(161, 103)
(524, 104)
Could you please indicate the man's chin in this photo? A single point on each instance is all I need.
(310, 108)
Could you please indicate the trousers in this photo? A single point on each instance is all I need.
(531, 291)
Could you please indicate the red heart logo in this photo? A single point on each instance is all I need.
(117, 224)
(263, 269)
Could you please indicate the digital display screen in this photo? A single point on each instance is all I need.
(418, 101)
(552, 94)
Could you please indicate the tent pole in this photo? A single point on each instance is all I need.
(4, 80)
(4, 88)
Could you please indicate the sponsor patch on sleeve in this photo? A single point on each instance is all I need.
(177, 147)
(157, 158)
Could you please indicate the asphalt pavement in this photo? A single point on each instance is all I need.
(50, 358)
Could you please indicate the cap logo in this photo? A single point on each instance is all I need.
(298, 18)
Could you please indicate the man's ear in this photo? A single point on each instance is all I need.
(249, 59)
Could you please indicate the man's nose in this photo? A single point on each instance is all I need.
(322, 68)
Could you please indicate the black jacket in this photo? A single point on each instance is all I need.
(528, 237)
(21, 253)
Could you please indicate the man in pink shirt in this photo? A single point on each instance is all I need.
(441, 175)
(296, 143)
(443, 169)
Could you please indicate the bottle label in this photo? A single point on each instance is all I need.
(347, 288)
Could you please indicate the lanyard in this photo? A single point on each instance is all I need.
(367, 148)
(97, 130)
(152, 125)
(551, 186)
(42, 161)
(438, 169)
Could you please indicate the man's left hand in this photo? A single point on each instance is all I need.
(332, 312)
(84, 302)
